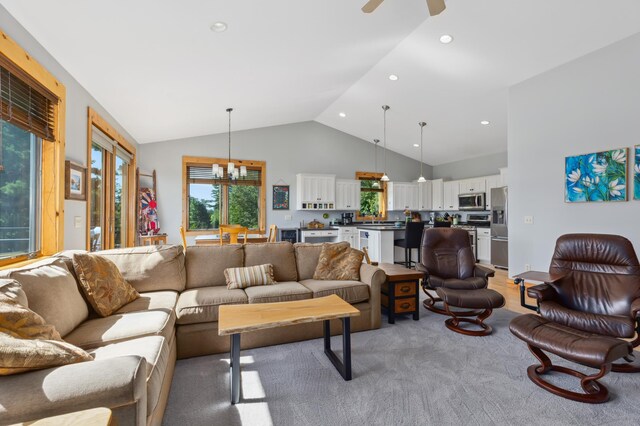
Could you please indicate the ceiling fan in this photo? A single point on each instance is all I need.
(435, 6)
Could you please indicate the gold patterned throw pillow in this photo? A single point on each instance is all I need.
(28, 343)
(338, 261)
(102, 283)
(249, 276)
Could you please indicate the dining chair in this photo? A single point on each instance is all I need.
(184, 238)
(233, 231)
(273, 234)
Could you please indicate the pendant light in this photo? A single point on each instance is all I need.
(375, 184)
(384, 177)
(421, 179)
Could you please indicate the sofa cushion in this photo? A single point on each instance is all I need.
(249, 276)
(155, 351)
(201, 304)
(120, 327)
(280, 255)
(13, 290)
(280, 292)
(102, 283)
(349, 291)
(338, 261)
(150, 301)
(28, 343)
(307, 256)
(150, 268)
(50, 280)
(206, 264)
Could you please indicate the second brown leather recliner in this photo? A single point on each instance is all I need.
(447, 261)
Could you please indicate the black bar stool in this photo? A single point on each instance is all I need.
(412, 239)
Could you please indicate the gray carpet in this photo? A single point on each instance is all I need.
(410, 373)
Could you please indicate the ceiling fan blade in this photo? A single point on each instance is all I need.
(371, 6)
(435, 7)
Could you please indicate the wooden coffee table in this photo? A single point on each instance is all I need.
(234, 320)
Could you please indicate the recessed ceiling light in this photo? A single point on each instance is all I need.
(219, 27)
(485, 122)
(415, 145)
(393, 77)
(446, 39)
(342, 114)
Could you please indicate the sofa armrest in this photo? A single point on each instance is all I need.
(374, 277)
(118, 383)
(635, 309)
(541, 292)
(482, 272)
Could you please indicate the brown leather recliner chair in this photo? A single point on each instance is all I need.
(447, 261)
(591, 300)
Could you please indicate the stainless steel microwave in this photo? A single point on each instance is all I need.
(471, 201)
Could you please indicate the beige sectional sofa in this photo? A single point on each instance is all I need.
(135, 349)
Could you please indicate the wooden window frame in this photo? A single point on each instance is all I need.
(95, 119)
(188, 161)
(53, 155)
(383, 207)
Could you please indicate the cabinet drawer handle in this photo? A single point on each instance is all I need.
(405, 305)
(405, 289)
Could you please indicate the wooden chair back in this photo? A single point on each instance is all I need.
(273, 234)
(233, 231)
(183, 235)
(366, 255)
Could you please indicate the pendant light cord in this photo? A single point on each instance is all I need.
(229, 111)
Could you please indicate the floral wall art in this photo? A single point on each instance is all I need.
(636, 174)
(596, 177)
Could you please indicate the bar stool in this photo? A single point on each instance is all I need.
(412, 239)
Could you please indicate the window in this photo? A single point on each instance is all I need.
(31, 157)
(111, 203)
(210, 202)
(373, 200)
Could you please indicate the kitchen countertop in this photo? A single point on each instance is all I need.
(326, 228)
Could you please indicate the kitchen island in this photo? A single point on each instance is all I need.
(380, 242)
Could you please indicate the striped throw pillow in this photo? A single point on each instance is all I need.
(249, 276)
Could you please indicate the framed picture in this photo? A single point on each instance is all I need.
(75, 181)
(596, 177)
(280, 197)
(636, 174)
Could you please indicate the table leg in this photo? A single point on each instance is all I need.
(416, 315)
(234, 368)
(344, 366)
(391, 309)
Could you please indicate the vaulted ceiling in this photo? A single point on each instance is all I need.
(156, 66)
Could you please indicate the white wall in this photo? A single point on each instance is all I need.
(78, 99)
(485, 165)
(307, 147)
(588, 105)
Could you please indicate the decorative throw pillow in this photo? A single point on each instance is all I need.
(13, 290)
(102, 283)
(28, 343)
(249, 276)
(338, 261)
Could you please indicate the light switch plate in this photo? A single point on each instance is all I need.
(287, 217)
(77, 221)
(528, 220)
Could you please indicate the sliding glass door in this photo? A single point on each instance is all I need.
(121, 198)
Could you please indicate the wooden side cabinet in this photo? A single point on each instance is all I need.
(400, 291)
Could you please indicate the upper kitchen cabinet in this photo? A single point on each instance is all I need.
(437, 194)
(402, 195)
(503, 176)
(425, 196)
(492, 182)
(451, 190)
(347, 194)
(473, 186)
(315, 192)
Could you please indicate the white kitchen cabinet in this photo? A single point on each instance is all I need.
(401, 196)
(347, 194)
(492, 182)
(425, 196)
(319, 235)
(504, 174)
(451, 190)
(349, 234)
(484, 245)
(437, 194)
(472, 186)
(315, 192)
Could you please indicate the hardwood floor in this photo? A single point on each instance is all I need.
(511, 292)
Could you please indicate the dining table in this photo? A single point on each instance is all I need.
(214, 239)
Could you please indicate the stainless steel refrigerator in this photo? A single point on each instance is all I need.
(499, 227)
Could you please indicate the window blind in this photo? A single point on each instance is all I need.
(203, 174)
(25, 103)
(100, 138)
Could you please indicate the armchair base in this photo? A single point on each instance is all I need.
(594, 391)
(430, 304)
